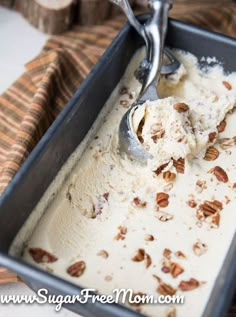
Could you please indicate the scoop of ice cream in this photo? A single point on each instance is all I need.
(173, 128)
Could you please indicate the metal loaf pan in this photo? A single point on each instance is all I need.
(67, 132)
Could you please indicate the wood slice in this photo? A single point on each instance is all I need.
(49, 16)
(93, 11)
(7, 3)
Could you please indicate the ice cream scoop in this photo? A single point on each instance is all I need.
(154, 33)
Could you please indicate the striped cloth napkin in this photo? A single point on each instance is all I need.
(33, 102)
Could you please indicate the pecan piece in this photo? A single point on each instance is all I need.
(148, 260)
(199, 248)
(165, 269)
(137, 202)
(123, 230)
(221, 126)
(160, 169)
(166, 289)
(188, 285)
(119, 236)
(211, 154)
(164, 216)
(181, 107)
(158, 136)
(124, 103)
(76, 269)
(180, 255)
(200, 185)
(168, 187)
(149, 237)
(162, 199)
(139, 255)
(123, 90)
(106, 195)
(179, 165)
(41, 256)
(168, 176)
(210, 207)
(103, 253)
(215, 220)
(175, 269)
(163, 288)
(167, 253)
(227, 84)
(212, 136)
(220, 174)
(227, 143)
(192, 203)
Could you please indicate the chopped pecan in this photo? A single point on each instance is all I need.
(164, 216)
(212, 136)
(175, 269)
(123, 230)
(41, 256)
(168, 176)
(124, 103)
(215, 220)
(227, 143)
(167, 188)
(119, 236)
(220, 174)
(166, 289)
(160, 169)
(179, 165)
(106, 195)
(211, 154)
(163, 288)
(227, 84)
(181, 107)
(162, 199)
(148, 260)
(221, 126)
(76, 269)
(167, 253)
(103, 253)
(123, 90)
(149, 237)
(210, 207)
(139, 255)
(200, 185)
(199, 248)
(192, 203)
(188, 285)
(139, 203)
(180, 255)
(158, 136)
(165, 269)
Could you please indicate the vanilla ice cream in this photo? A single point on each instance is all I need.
(163, 228)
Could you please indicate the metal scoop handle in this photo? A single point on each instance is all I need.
(142, 73)
(155, 30)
